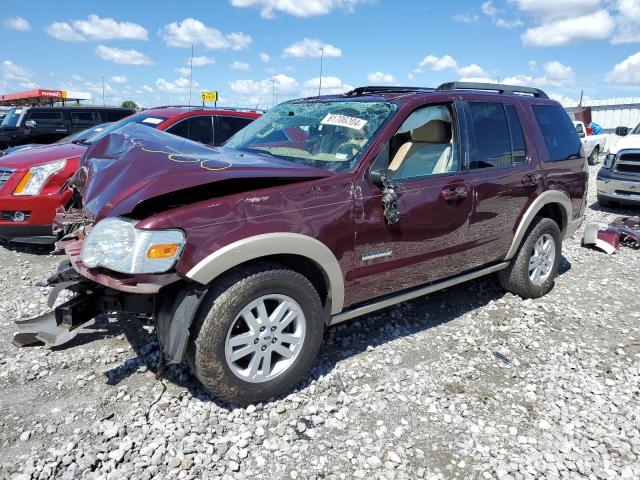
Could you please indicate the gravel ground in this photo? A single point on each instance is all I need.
(466, 383)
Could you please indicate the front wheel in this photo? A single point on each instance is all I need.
(257, 333)
(595, 154)
(533, 270)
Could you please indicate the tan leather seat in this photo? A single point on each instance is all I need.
(430, 136)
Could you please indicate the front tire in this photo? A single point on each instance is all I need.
(257, 333)
(532, 271)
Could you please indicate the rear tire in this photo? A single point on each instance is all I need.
(595, 154)
(521, 277)
(231, 320)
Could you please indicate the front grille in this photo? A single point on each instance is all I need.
(628, 162)
(5, 175)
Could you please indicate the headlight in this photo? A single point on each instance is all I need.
(116, 244)
(36, 177)
(608, 160)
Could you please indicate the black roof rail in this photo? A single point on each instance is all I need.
(491, 87)
(386, 89)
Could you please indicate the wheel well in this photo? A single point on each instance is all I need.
(304, 266)
(555, 212)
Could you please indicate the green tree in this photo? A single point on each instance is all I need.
(130, 104)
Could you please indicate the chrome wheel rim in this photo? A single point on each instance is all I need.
(265, 338)
(542, 259)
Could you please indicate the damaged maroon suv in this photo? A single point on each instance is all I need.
(322, 210)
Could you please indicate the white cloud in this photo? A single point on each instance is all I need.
(381, 78)
(438, 64)
(14, 74)
(306, 8)
(311, 48)
(330, 86)
(183, 71)
(180, 86)
(96, 28)
(533, 65)
(564, 100)
(284, 86)
(77, 77)
(467, 18)
(201, 61)
(239, 65)
(265, 57)
(472, 70)
(594, 26)
(626, 72)
(17, 23)
(628, 20)
(147, 89)
(193, 32)
(124, 57)
(549, 10)
(555, 75)
(478, 80)
(489, 9)
(119, 79)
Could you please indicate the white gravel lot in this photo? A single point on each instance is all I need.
(466, 383)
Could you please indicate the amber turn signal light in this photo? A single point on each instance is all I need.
(162, 250)
(23, 183)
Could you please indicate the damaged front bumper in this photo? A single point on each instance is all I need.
(166, 298)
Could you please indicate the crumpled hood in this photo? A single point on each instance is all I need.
(137, 163)
(25, 159)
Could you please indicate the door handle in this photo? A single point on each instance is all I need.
(531, 179)
(454, 193)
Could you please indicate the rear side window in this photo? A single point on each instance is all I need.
(491, 139)
(115, 115)
(45, 118)
(85, 119)
(558, 131)
(518, 144)
(198, 129)
(227, 127)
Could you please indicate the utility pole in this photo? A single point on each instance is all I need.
(320, 82)
(190, 74)
(103, 104)
(273, 91)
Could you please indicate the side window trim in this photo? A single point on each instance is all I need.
(527, 155)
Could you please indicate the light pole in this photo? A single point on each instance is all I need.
(320, 82)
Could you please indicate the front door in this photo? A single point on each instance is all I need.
(434, 202)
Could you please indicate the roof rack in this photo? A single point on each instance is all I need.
(386, 89)
(200, 107)
(491, 87)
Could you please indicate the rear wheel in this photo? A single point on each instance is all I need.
(257, 334)
(595, 154)
(532, 271)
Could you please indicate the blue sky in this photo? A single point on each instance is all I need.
(245, 48)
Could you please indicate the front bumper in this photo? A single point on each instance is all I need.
(614, 186)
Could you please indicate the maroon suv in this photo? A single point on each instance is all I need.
(323, 209)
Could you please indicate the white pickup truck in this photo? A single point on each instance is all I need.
(593, 145)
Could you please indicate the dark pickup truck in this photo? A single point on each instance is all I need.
(322, 210)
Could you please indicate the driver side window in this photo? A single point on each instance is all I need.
(425, 144)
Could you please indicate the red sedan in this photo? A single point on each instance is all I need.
(33, 183)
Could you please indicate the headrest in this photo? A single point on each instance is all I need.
(435, 131)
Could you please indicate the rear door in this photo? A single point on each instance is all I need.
(83, 119)
(503, 168)
(427, 243)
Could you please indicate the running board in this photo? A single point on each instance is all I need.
(410, 295)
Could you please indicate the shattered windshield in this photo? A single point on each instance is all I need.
(329, 135)
(140, 118)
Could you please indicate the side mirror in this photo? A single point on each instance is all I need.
(622, 131)
(378, 170)
(30, 124)
(581, 134)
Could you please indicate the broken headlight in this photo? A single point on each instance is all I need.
(115, 243)
(608, 160)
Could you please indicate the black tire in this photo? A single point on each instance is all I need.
(206, 349)
(515, 278)
(593, 158)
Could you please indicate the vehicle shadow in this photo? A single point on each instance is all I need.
(341, 341)
(28, 248)
(619, 209)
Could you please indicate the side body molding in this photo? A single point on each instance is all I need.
(545, 198)
(259, 246)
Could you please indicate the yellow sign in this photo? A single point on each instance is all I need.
(210, 96)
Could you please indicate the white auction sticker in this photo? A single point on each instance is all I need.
(343, 121)
(152, 121)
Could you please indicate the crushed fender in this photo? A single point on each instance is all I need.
(623, 231)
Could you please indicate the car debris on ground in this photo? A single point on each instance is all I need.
(623, 231)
